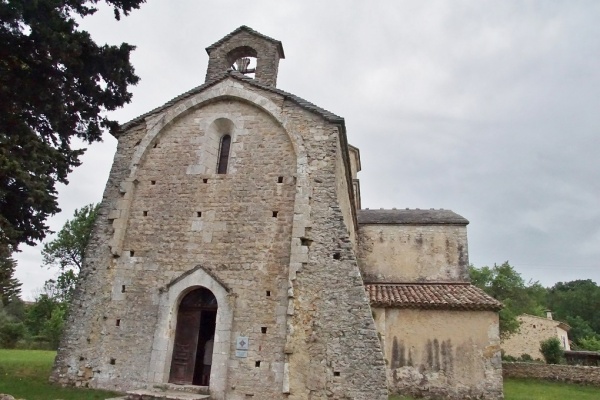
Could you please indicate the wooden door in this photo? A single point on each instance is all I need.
(185, 346)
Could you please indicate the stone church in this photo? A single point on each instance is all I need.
(231, 258)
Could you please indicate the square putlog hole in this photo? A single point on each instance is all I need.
(257, 364)
(198, 214)
(336, 373)
(153, 182)
(268, 293)
(263, 329)
(118, 322)
(145, 213)
(337, 256)
(275, 213)
(204, 180)
(113, 361)
(280, 179)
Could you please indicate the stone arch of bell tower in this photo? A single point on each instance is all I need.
(241, 43)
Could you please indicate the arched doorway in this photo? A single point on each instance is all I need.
(194, 338)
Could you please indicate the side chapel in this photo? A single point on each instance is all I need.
(231, 258)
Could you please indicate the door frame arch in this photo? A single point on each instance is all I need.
(164, 337)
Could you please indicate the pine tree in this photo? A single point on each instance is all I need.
(10, 287)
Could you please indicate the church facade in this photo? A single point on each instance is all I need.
(231, 254)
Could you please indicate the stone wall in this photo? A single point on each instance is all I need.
(413, 253)
(269, 235)
(441, 354)
(532, 331)
(563, 373)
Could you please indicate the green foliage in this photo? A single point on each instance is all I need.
(505, 284)
(552, 350)
(39, 312)
(10, 287)
(68, 249)
(52, 328)
(591, 343)
(526, 357)
(578, 298)
(11, 330)
(56, 85)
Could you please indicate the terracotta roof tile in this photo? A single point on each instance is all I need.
(438, 296)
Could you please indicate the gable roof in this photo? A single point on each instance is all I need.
(251, 31)
(431, 296)
(410, 217)
(307, 105)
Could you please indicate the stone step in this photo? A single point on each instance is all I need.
(157, 394)
(183, 388)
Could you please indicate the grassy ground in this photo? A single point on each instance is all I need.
(528, 389)
(24, 374)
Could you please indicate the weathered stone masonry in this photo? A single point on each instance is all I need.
(297, 271)
(268, 239)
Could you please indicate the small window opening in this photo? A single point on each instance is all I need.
(224, 154)
(153, 182)
(263, 329)
(280, 179)
(275, 214)
(204, 180)
(268, 293)
(113, 361)
(145, 213)
(305, 242)
(336, 256)
(122, 288)
(257, 364)
(198, 214)
(131, 253)
(118, 322)
(336, 373)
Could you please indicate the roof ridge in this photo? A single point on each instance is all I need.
(328, 115)
(252, 32)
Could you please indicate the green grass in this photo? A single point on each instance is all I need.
(531, 389)
(24, 374)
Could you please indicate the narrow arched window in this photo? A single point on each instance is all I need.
(224, 154)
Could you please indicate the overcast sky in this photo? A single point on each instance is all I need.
(488, 108)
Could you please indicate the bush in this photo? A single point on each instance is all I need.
(11, 331)
(552, 350)
(526, 357)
